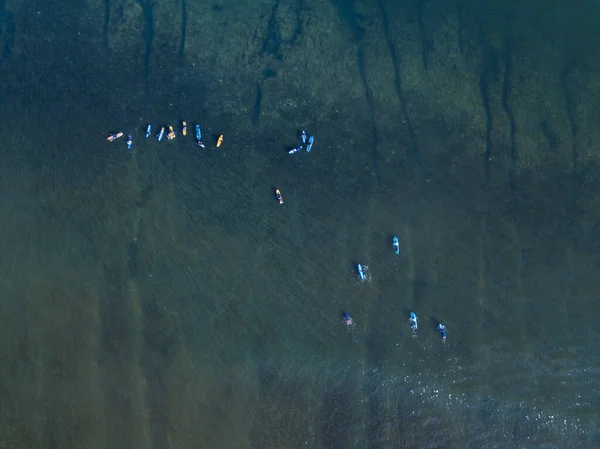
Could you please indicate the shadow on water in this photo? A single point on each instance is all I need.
(336, 416)
(159, 344)
(283, 406)
(376, 421)
(433, 323)
(221, 242)
(420, 287)
(407, 422)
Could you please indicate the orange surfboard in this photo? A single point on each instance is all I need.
(112, 137)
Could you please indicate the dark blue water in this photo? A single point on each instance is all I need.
(163, 298)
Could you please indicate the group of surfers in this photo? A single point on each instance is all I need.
(170, 135)
(363, 270)
(364, 274)
(304, 139)
(115, 136)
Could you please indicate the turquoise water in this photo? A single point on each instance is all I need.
(163, 298)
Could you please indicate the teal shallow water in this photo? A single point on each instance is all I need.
(163, 298)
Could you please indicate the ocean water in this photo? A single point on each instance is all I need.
(163, 298)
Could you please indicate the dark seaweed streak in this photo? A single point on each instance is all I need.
(7, 28)
(570, 106)
(106, 22)
(147, 12)
(459, 22)
(257, 105)
(350, 19)
(550, 135)
(413, 147)
(506, 88)
(489, 69)
(424, 40)
(183, 28)
(272, 46)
